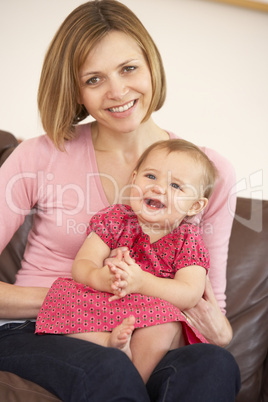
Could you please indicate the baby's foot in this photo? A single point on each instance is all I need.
(121, 335)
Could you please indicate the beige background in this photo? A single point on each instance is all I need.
(216, 60)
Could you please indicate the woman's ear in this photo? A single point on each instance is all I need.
(79, 98)
(198, 206)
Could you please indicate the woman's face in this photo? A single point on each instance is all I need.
(115, 83)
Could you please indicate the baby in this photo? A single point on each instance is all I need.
(135, 301)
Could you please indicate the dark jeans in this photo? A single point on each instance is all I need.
(195, 373)
(79, 371)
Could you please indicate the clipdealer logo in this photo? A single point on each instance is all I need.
(254, 183)
(52, 198)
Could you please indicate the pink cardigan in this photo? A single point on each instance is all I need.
(65, 190)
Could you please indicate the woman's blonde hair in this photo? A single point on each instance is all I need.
(58, 92)
(178, 145)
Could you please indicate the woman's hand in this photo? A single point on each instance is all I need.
(207, 317)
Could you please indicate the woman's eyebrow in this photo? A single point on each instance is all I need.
(119, 66)
(127, 62)
(89, 73)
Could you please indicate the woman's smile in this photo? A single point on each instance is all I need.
(123, 111)
(122, 108)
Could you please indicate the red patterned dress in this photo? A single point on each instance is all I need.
(72, 307)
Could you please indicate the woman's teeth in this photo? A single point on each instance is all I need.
(121, 109)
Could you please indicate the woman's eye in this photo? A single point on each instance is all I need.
(150, 176)
(175, 185)
(93, 81)
(129, 68)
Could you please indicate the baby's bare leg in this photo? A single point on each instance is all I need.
(119, 338)
(149, 345)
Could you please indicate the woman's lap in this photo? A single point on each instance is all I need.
(195, 373)
(77, 370)
(73, 370)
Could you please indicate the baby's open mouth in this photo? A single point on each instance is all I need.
(153, 203)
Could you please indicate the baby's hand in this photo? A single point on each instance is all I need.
(116, 253)
(130, 275)
(118, 281)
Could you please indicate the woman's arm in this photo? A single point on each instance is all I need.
(16, 302)
(19, 302)
(216, 222)
(209, 314)
(208, 318)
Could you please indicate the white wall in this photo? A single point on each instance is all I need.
(216, 60)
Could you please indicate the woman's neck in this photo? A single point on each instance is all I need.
(127, 144)
(117, 154)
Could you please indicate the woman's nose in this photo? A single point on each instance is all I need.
(117, 89)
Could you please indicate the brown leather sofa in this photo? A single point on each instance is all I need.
(247, 298)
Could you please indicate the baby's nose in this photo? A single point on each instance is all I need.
(159, 189)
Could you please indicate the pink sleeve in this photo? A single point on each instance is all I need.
(217, 223)
(22, 179)
(18, 185)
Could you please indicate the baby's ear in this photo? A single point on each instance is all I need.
(198, 206)
(134, 174)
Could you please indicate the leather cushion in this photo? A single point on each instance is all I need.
(16, 389)
(247, 291)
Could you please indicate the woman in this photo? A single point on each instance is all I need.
(101, 62)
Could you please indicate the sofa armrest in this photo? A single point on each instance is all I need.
(11, 256)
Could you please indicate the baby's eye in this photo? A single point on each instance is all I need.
(175, 185)
(150, 176)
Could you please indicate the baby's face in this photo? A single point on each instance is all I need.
(166, 187)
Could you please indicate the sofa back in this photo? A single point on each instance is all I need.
(247, 297)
